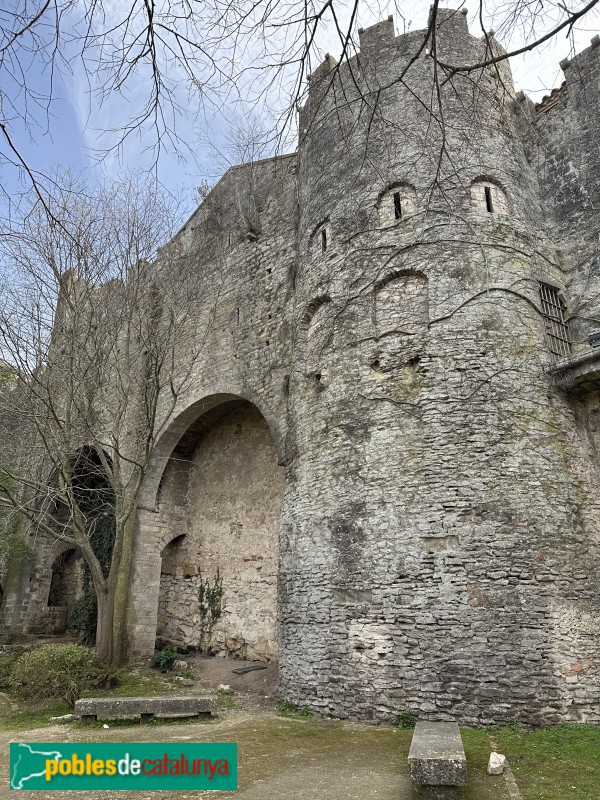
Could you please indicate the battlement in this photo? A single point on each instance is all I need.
(379, 45)
(582, 61)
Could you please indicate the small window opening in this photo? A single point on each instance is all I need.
(554, 312)
(397, 206)
(324, 240)
(238, 315)
(489, 202)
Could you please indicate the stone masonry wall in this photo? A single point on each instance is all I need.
(439, 545)
(433, 539)
(233, 507)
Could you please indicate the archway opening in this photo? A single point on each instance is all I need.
(66, 588)
(65, 583)
(220, 500)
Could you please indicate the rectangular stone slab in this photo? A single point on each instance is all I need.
(91, 707)
(437, 755)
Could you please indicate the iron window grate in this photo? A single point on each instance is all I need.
(554, 312)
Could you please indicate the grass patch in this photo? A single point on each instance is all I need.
(288, 709)
(481, 785)
(225, 698)
(138, 683)
(34, 715)
(406, 720)
(280, 746)
(553, 763)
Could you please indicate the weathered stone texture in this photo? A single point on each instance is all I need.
(437, 756)
(440, 526)
(234, 493)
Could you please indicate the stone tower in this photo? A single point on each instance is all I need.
(389, 449)
(435, 549)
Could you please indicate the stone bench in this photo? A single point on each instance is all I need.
(438, 767)
(90, 708)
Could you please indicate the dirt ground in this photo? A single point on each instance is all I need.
(279, 758)
(259, 688)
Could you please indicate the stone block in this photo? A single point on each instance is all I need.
(496, 764)
(90, 708)
(437, 756)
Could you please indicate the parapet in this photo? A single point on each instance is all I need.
(379, 45)
(582, 63)
(382, 33)
(581, 73)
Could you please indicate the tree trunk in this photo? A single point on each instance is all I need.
(104, 626)
(121, 592)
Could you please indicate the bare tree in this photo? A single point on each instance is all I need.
(90, 326)
(165, 58)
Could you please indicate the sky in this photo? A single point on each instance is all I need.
(71, 135)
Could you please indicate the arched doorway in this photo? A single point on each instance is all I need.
(66, 587)
(220, 498)
(65, 583)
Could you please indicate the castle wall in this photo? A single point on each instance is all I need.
(566, 148)
(376, 298)
(440, 569)
(239, 249)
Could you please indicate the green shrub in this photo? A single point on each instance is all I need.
(83, 616)
(164, 659)
(53, 670)
(288, 709)
(6, 665)
(406, 720)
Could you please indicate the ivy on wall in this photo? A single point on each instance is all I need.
(210, 599)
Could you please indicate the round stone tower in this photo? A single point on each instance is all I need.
(432, 547)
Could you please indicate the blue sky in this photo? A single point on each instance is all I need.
(73, 134)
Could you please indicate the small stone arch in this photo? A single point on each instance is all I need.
(315, 331)
(400, 318)
(311, 311)
(401, 303)
(488, 196)
(396, 202)
(57, 565)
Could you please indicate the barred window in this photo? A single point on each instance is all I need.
(554, 312)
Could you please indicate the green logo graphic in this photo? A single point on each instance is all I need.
(114, 766)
